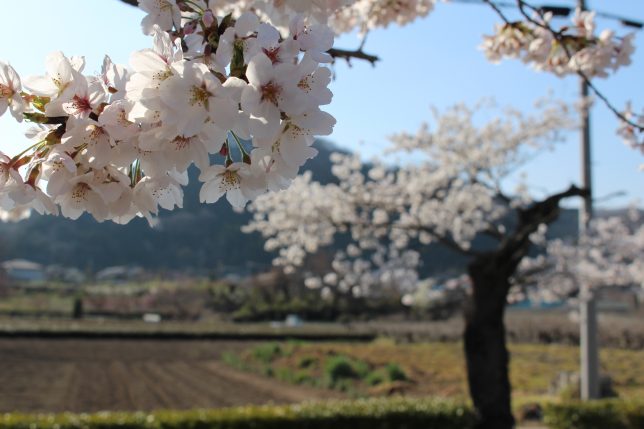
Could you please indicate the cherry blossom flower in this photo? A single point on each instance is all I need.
(194, 96)
(271, 89)
(160, 191)
(86, 98)
(178, 151)
(92, 140)
(60, 83)
(10, 87)
(58, 170)
(114, 119)
(314, 81)
(114, 77)
(150, 68)
(5, 169)
(236, 181)
(316, 40)
(83, 196)
(239, 35)
(164, 13)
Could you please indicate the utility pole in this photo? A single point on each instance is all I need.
(588, 342)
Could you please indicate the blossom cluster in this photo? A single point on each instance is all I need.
(572, 49)
(341, 15)
(234, 96)
(307, 217)
(450, 194)
(609, 253)
(279, 13)
(366, 15)
(632, 136)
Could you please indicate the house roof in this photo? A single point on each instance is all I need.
(21, 264)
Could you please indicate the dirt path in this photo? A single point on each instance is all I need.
(94, 375)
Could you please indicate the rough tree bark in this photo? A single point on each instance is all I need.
(486, 351)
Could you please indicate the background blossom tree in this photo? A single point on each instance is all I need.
(454, 195)
(609, 254)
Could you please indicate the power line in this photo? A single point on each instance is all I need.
(563, 11)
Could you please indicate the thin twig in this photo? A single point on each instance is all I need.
(348, 55)
(497, 10)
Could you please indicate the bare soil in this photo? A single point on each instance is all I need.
(53, 375)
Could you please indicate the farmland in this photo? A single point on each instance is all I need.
(383, 367)
(83, 376)
(54, 365)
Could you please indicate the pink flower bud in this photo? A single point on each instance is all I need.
(190, 27)
(208, 18)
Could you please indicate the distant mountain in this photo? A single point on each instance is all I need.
(205, 239)
(199, 238)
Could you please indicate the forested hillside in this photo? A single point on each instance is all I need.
(204, 239)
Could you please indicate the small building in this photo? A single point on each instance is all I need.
(22, 270)
(62, 274)
(120, 274)
(619, 299)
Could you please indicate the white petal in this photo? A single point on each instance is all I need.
(260, 70)
(236, 198)
(246, 24)
(211, 192)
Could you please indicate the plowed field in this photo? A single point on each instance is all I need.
(93, 375)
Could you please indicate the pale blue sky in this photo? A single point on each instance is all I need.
(434, 61)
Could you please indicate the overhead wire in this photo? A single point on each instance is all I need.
(562, 11)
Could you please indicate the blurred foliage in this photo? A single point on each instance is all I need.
(276, 302)
(602, 414)
(391, 413)
(291, 363)
(384, 367)
(193, 299)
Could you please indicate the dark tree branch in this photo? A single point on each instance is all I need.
(497, 10)
(494, 232)
(546, 211)
(131, 2)
(348, 55)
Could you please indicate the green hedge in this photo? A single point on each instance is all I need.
(603, 414)
(391, 413)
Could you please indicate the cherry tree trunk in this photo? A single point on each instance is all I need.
(486, 353)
